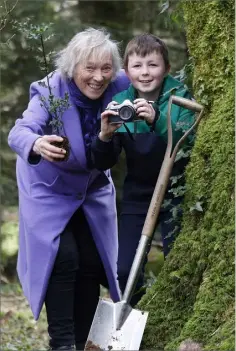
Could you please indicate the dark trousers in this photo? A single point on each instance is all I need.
(130, 229)
(74, 286)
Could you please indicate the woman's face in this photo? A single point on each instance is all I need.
(92, 78)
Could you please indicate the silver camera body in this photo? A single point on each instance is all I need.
(126, 113)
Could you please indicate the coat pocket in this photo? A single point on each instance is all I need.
(56, 187)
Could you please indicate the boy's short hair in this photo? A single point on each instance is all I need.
(145, 44)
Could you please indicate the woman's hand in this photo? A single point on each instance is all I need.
(144, 110)
(107, 129)
(43, 147)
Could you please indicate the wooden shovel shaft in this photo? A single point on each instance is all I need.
(159, 192)
(168, 162)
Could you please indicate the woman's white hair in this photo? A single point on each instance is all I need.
(95, 43)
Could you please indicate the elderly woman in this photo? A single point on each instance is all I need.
(67, 214)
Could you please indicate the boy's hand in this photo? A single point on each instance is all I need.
(107, 129)
(144, 110)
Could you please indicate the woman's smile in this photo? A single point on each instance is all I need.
(93, 78)
(95, 86)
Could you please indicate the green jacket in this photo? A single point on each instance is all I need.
(181, 118)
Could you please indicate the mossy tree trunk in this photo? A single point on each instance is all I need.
(194, 295)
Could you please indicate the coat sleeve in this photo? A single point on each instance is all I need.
(27, 129)
(105, 154)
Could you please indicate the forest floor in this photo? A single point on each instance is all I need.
(19, 331)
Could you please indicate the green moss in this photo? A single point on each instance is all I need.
(194, 293)
(222, 338)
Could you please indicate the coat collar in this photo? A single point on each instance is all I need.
(73, 130)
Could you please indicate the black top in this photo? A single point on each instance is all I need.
(144, 157)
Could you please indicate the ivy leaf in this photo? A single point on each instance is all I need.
(165, 6)
(175, 274)
(181, 74)
(178, 191)
(174, 179)
(166, 203)
(197, 207)
(174, 211)
(182, 153)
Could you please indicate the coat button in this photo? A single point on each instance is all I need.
(80, 196)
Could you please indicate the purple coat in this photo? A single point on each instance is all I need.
(50, 192)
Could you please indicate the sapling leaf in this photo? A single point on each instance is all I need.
(38, 33)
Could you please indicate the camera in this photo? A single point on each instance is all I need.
(126, 113)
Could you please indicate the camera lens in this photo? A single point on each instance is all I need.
(127, 113)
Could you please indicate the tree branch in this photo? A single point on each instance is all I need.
(3, 20)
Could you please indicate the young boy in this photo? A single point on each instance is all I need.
(147, 65)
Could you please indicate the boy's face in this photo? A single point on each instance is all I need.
(147, 74)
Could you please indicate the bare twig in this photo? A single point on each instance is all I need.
(4, 18)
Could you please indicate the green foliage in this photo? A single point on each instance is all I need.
(194, 295)
(223, 337)
(56, 107)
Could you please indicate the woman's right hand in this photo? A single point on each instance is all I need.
(42, 146)
(107, 129)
